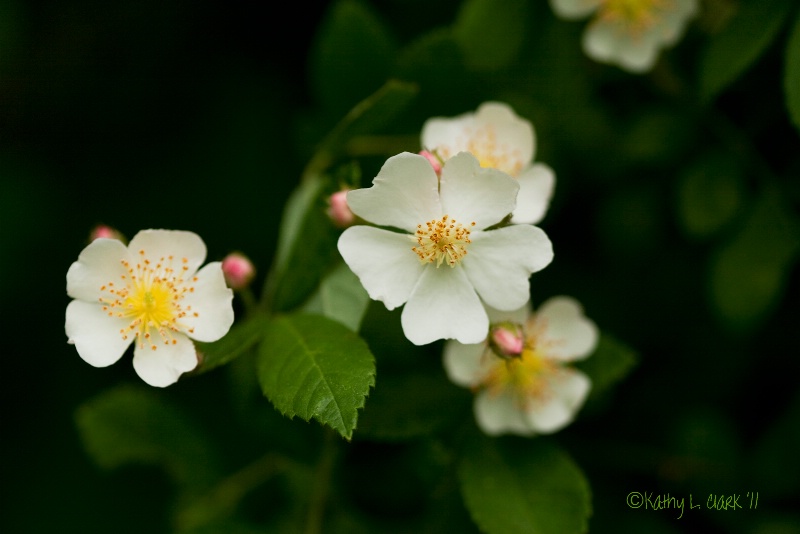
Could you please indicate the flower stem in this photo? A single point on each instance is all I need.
(222, 500)
(322, 479)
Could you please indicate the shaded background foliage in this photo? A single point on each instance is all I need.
(674, 222)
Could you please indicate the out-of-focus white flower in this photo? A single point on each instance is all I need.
(149, 293)
(443, 264)
(501, 140)
(628, 33)
(534, 392)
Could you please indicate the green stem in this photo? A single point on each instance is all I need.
(223, 499)
(322, 480)
(248, 300)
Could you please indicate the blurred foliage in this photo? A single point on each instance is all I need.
(675, 222)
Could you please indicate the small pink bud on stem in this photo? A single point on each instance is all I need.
(108, 232)
(435, 162)
(506, 340)
(339, 211)
(238, 270)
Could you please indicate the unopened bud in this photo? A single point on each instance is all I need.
(339, 211)
(507, 340)
(238, 270)
(435, 162)
(101, 230)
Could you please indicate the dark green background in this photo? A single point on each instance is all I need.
(201, 115)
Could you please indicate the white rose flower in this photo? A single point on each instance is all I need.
(149, 293)
(501, 140)
(628, 33)
(526, 388)
(443, 263)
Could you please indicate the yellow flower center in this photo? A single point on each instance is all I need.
(440, 240)
(527, 377)
(491, 154)
(635, 14)
(482, 143)
(151, 297)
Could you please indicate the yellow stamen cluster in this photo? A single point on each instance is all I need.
(441, 240)
(638, 15)
(491, 154)
(150, 296)
(528, 377)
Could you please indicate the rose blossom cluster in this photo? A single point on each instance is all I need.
(452, 238)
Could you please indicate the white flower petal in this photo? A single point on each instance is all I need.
(513, 135)
(404, 194)
(638, 56)
(610, 41)
(383, 261)
(212, 301)
(569, 334)
(97, 265)
(443, 305)
(574, 9)
(500, 262)
(464, 363)
(447, 136)
(96, 335)
(674, 21)
(164, 365)
(494, 134)
(519, 316)
(601, 40)
(470, 193)
(179, 244)
(499, 413)
(569, 390)
(536, 186)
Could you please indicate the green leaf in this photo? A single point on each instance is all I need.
(490, 32)
(749, 273)
(525, 486)
(241, 338)
(352, 56)
(791, 77)
(306, 247)
(299, 203)
(412, 405)
(610, 363)
(730, 53)
(133, 425)
(340, 297)
(312, 367)
(710, 194)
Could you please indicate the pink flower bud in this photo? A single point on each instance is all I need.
(507, 340)
(339, 211)
(434, 161)
(238, 270)
(101, 230)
